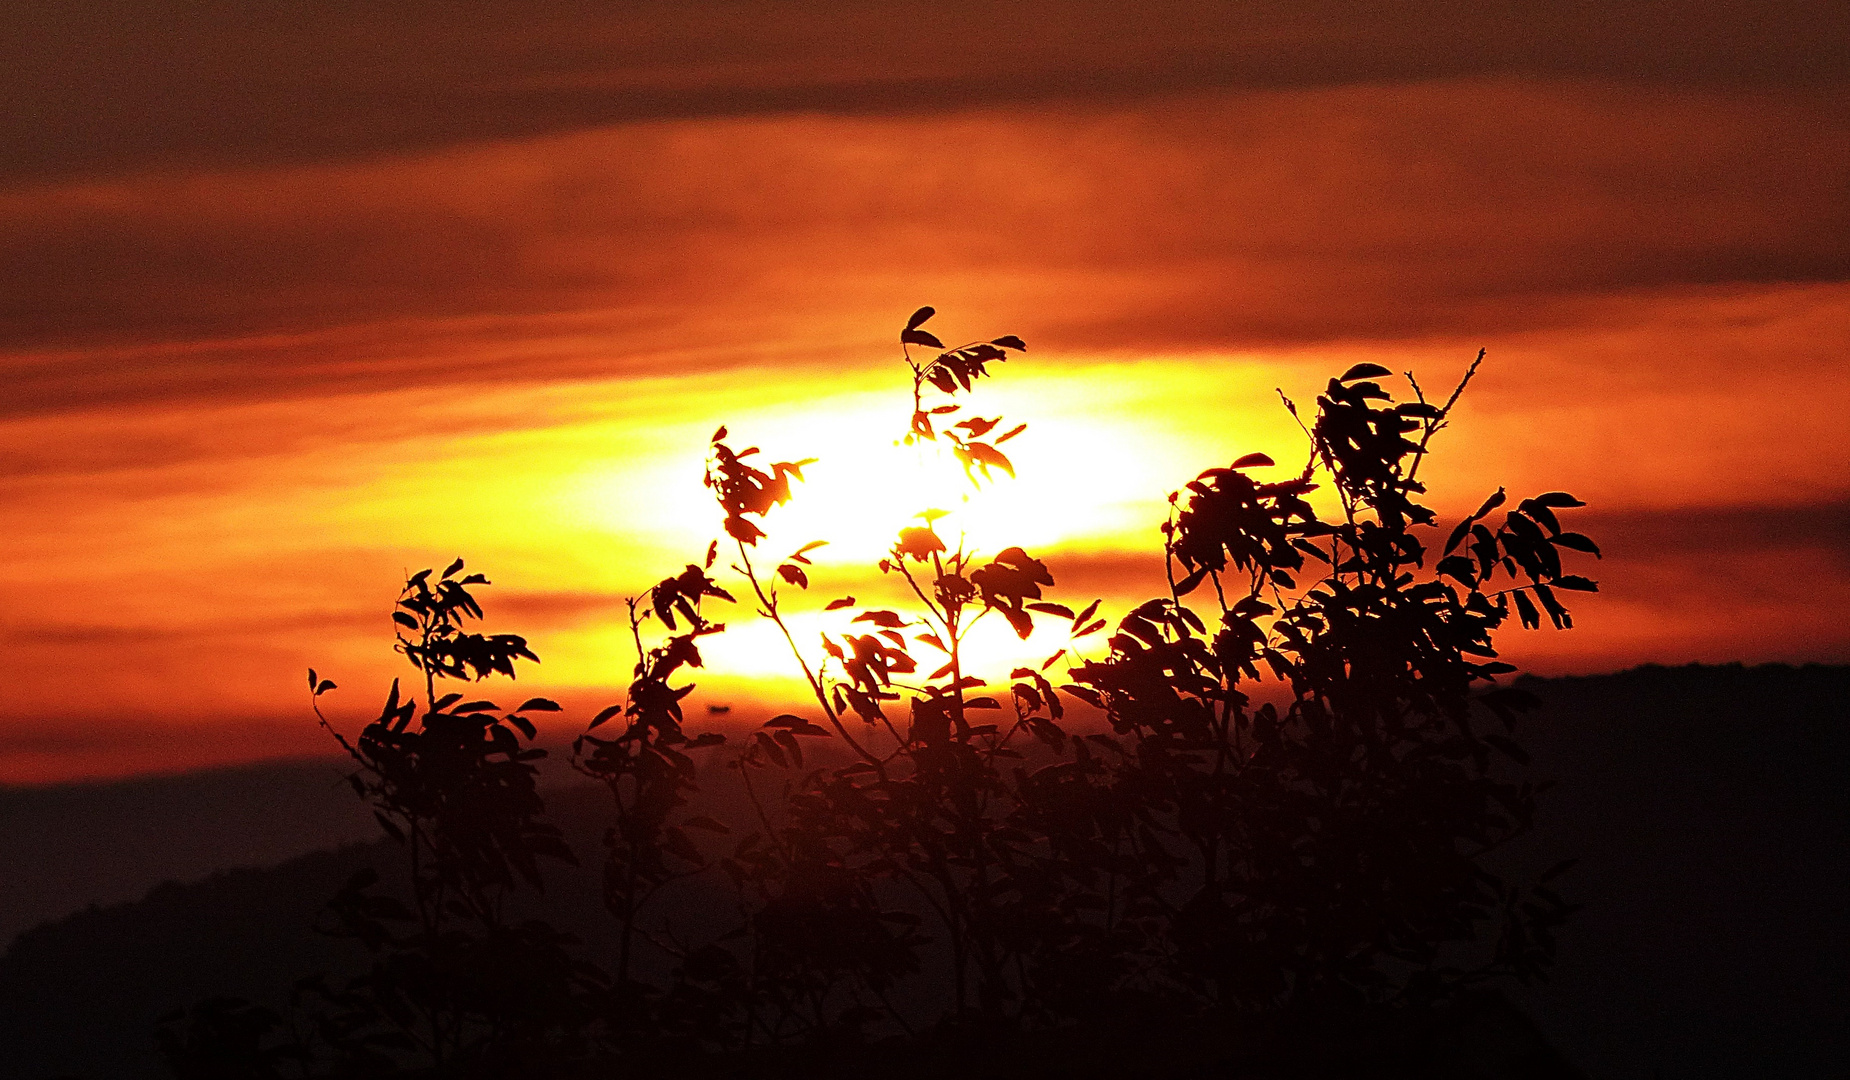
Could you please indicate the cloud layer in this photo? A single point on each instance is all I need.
(1203, 222)
(102, 88)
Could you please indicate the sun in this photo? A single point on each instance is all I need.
(1082, 480)
(1091, 476)
(1073, 484)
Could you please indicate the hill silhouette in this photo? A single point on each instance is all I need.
(1708, 808)
(1705, 803)
(110, 842)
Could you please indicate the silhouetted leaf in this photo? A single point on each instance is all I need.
(918, 543)
(770, 748)
(791, 747)
(1363, 371)
(1459, 532)
(678, 844)
(1576, 542)
(918, 317)
(987, 457)
(391, 827)
(1525, 608)
(1459, 567)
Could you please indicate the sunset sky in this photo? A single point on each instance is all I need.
(295, 299)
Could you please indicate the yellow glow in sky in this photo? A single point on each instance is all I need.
(1084, 481)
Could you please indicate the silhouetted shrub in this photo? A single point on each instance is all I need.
(1200, 848)
(454, 985)
(1275, 802)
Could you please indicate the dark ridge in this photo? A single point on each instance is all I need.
(78, 996)
(86, 96)
(107, 843)
(1708, 807)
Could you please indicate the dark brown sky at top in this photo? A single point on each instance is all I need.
(99, 88)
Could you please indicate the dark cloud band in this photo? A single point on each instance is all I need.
(101, 88)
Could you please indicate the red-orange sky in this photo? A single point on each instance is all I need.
(295, 299)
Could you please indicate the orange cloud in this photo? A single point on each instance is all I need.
(241, 401)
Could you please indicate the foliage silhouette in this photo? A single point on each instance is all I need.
(454, 983)
(980, 858)
(1203, 850)
(1335, 846)
(455, 986)
(648, 773)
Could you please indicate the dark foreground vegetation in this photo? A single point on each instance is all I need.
(1264, 826)
(1706, 803)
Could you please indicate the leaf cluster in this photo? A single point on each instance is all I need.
(452, 780)
(949, 372)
